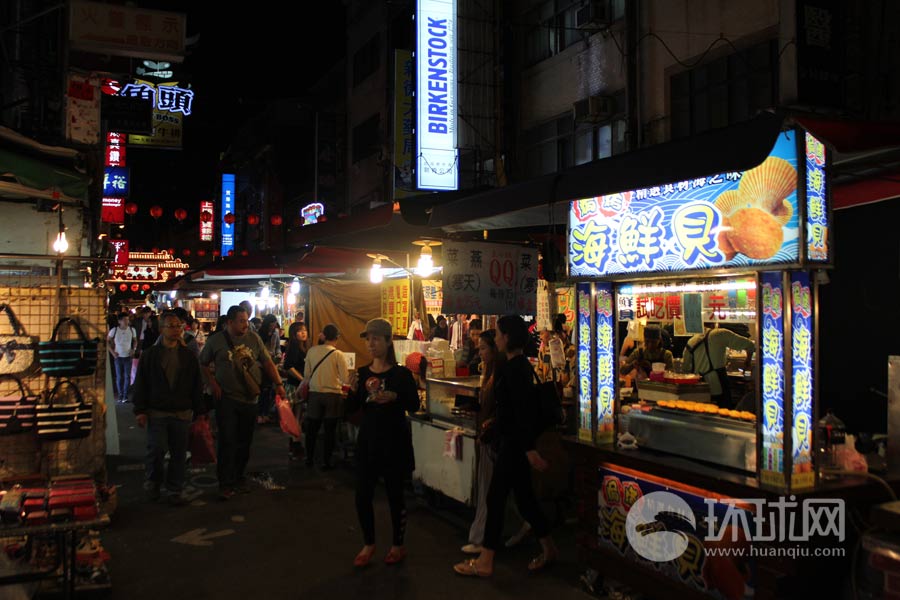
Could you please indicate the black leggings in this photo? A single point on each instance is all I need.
(512, 473)
(366, 480)
(312, 436)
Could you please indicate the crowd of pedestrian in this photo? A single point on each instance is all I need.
(183, 370)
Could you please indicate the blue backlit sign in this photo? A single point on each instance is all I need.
(227, 208)
(116, 182)
(772, 360)
(816, 206)
(738, 219)
(802, 343)
(585, 381)
(606, 367)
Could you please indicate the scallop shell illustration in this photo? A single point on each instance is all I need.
(755, 233)
(766, 185)
(730, 201)
(783, 213)
(725, 244)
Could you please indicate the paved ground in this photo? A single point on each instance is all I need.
(298, 542)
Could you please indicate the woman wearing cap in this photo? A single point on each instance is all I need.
(385, 391)
(517, 431)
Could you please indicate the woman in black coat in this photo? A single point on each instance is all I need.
(386, 392)
(517, 430)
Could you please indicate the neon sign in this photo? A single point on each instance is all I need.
(207, 224)
(165, 97)
(772, 352)
(585, 381)
(606, 352)
(227, 208)
(312, 212)
(115, 181)
(816, 206)
(802, 379)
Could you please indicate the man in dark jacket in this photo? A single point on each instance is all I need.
(167, 389)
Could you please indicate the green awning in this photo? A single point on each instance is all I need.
(42, 176)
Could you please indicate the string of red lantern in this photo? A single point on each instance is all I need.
(156, 211)
(228, 218)
(131, 208)
(253, 219)
(180, 214)
(276, 220)
(206, 216)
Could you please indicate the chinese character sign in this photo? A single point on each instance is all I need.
(724, 220)
(120, 247)
(772, 353)
(207, 224)
(395, 303)
(404, 123)
(816, 205)
(227, 208)
(171, 104)
(489, 279)
(115, 149)
(434, 297)
(115, 182)
(606, 353)
(802, 379)
(585, 382)
(126, 30)
(112, 210)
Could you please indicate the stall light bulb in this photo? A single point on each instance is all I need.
(61, 244)
(264, 293)
(173, 294)
(214, 297)
(292, 299)
(272, 302)
(295, 287)
(376, 275)
(425, 266)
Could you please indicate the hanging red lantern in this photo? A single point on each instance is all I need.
(156, 211)
(171, 251)
(123, 287)
(180, 214)
(145, 287)
(244, 253)
(217, 253)
(228, 218)
(252, 219)
(135, 287)
(201, 252)
(276, 220)
(187, 252)
(131, 208)
(155, 250)
(206, 216)
(321, 219)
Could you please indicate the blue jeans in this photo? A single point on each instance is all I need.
(123, 375)
(236, 421)
(167, 433)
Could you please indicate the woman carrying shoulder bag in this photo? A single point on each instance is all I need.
(386, 392)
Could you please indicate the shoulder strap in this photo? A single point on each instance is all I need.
(228, 339)
(16, 325)
(313, 372)
(74, 324)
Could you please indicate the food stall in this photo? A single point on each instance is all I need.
(743, 250)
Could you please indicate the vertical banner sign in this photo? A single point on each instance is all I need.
(83, 109)
(116, 182)
(207, 223)
(802, 377)
(565, 303)
(395, 304)
(115, 149)
(112, 210)
(433, 293)
(542, 318)
(437, 167)
(772, 378)
(606, 367)
(120, 247)
(816, 205)
(585, 382)
(227, 207)
(489, 279)
(404, 88)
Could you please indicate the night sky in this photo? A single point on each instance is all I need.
(243, 59)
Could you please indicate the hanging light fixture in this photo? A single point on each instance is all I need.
(295, 286)
(376, 275)
(264, 292)
(425, 266)
(61, 244)
(291, 299)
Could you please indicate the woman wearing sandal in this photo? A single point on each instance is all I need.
(384, 443)
(517, 431)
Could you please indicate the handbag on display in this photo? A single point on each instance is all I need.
(17, 412)
(64, 421)
(17, 351)
(68, 358)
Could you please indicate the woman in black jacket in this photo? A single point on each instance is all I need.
(386, 392)
(517, 429)
(294, 362)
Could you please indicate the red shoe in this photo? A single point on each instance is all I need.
(395, 556)
(363, 558)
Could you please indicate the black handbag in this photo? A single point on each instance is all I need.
(68, 358)
(17, 412)
(58, 421)
(17, 351)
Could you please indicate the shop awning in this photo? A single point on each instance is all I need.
(41, 176)
(883, 186)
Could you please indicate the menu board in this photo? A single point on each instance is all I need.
(395, 304)
(493, 279)
(737, 219)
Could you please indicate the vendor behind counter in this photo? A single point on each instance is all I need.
(641, 359)
(706, 355)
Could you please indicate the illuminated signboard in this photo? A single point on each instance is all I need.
(437, 167)
(606, 368)
(802, 379)
(739, 219)
(312, 212)
(227, 208)
(112, 210)
(585, 382)
(120, 247)
(207, 226)
(115, 182)
(166, 97)
(772, 353)
(404, 90)
(816, 205)
(115, 150)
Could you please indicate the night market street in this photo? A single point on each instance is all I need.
(298, 542)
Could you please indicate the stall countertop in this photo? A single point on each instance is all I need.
(726, 481)
(440, 421)
(473, 381)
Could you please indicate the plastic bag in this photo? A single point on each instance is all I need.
(200, 443)
(286, 417)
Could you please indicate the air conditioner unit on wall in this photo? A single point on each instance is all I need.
(593, 109)
(593, 15)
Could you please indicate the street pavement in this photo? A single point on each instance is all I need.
(295, 536)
